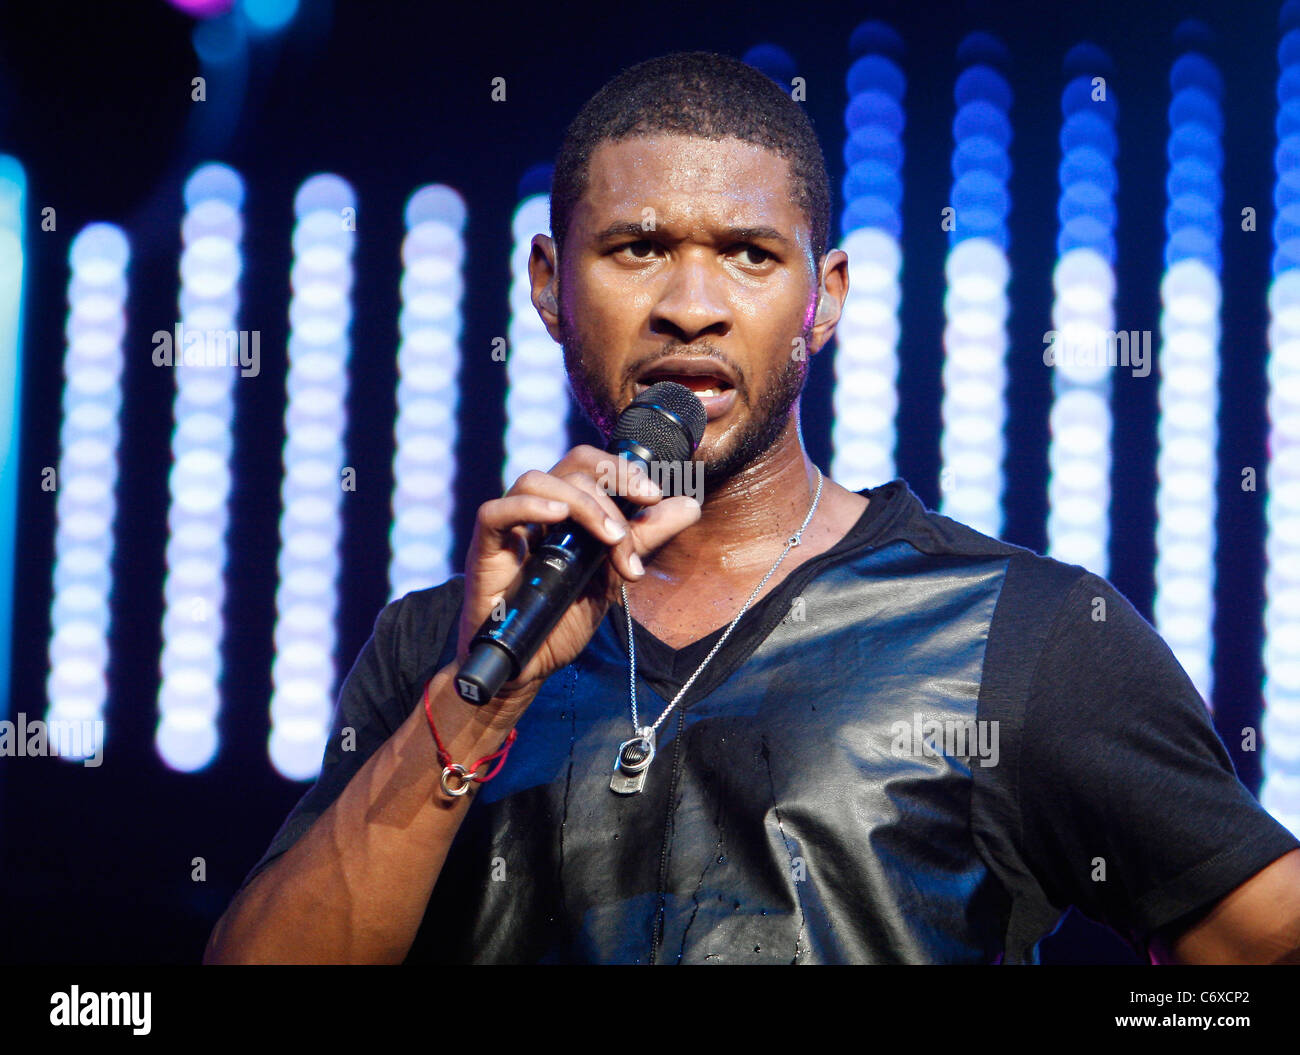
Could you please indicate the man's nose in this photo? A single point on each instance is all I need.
(693, 302)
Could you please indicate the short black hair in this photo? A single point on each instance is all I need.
(694, 93)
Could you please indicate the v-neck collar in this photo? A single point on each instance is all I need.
(666, 669)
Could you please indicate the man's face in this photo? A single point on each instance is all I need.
(688, 260)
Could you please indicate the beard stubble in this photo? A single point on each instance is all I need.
(769, 411)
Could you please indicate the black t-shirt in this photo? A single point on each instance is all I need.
(923, 745)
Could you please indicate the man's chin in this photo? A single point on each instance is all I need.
(723, 464)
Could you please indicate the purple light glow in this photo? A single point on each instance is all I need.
(203, 8)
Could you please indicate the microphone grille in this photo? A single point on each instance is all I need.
(646, 420)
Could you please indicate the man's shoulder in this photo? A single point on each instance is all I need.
(1049, 614)
(414, 631)
(1031, 574)
(428, 601)
(419, 611)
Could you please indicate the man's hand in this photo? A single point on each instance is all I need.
(1259, 922)
(506, 526)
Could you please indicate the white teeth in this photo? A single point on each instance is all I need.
(708, 392)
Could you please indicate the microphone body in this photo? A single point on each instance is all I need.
(660, 425)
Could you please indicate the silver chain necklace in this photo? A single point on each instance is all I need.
(634, 756)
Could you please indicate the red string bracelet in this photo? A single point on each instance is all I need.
(455, 769)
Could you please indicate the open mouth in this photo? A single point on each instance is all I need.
(703, 387)
(704, 377)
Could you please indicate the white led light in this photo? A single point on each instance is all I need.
(428, 364)
(537, 399)
(85, 507)
(866, 368)
(975, 306)
(1186, 463)
(204, 361)
(1280, 726)
(865, 397)
(1084, 347)
(306, 600)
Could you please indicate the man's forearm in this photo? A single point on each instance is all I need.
(355, 886)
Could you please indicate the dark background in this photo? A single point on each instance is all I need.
(95, 101)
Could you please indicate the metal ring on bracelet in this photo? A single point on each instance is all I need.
(456, 769)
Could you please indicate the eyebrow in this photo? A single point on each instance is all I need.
(632, 228)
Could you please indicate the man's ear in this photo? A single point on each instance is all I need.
(832, 291)
(544, 278)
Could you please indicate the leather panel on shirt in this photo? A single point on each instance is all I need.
(778, 824)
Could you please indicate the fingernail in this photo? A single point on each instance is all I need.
(635, 563)
(615, 531)
(554, 506)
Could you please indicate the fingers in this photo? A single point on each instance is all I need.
(524, 538)
(625, 554)
(586, 458)
(612, 475)
(578, 495)
(657, 525)
(498, 519)
(588, 503)
(581, 483)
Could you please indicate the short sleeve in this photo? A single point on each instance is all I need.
(412, 638)
(1130, 807)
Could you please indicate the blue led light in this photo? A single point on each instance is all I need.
(13, 207)
(220, 41)
(773, 60)
(269, 16)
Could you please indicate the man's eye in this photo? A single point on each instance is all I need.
(640, 249)
(757, 256)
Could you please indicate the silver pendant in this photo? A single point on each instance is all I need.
(633, 761)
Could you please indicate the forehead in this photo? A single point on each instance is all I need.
(690, 181)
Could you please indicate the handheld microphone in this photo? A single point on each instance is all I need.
(665, 423)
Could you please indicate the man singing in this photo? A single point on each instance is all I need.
(879, 736)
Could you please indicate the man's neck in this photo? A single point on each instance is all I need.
(746, 522)
(702, 577)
